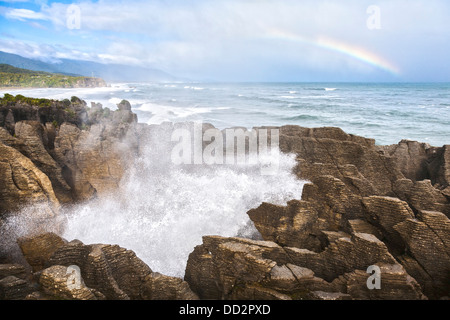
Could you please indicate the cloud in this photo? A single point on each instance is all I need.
(25, 14)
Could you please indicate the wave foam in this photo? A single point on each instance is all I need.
(161, 211)
(163, 113)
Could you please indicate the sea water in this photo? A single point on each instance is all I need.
(161, 211)
(387, 112)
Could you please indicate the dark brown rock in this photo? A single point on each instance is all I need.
(37, 250)
(13, 288)
(439, 167)
(395, 284)
(334, 296)
(422, 195)
(334, 202)
(15, 270)
(60, 283)
(411, 158)
(292, 225)
(115, 272)
(229, 267)
(342, 256)
(427, 241)
(161, 287)
(385, 213)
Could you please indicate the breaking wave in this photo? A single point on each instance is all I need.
(161, 210)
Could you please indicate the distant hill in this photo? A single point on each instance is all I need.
(108, 72)
(17, 77)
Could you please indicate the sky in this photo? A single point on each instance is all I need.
(241, 40)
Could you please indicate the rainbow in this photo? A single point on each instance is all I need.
(340, 47)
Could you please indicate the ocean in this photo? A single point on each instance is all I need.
(387, 112)
(161, 211)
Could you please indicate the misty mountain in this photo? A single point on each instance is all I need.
(108, 72)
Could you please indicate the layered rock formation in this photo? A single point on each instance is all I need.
(82, 151)
(364, 206)
(75, 271)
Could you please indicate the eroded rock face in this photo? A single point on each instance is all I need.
(13, 288)
(56, 281)
(160, 287)
(37, 250)
(293, 225)
(234, 268)
(23, 183)
(83, 152)
(330, 151)
(427, 240)
(94, 160)
(114, 271)
(13, 284)
(396, 284)
(75, 271)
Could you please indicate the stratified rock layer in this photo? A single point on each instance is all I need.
(75, 271)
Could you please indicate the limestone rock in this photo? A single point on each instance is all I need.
(16, 270)
(334, 202)
(13, 282)
(342, 256)
(23, 183)
(422, 195)
(37, 250)
(362, 226)
(439, 166)
(292, 225)
(35, 137)
(257, 292)
(124, 105)
(66, 154)
(427, 240)
(325, 151)
(83, 152)
(96, 159)
(226, 267)
(13, 288)
(385, 213)
(61, 282)
(115, 272)
(395, 284)
(411, 158)
(321, 295)
(161, 287)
